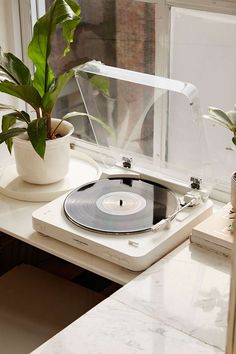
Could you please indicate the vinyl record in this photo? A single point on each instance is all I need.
(119, 205)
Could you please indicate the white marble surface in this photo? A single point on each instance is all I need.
(178, 306)
(187, 290)
(112, 327)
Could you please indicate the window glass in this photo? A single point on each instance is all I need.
(117, 32)
(203, 51)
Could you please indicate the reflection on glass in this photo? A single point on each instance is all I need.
(117, 32)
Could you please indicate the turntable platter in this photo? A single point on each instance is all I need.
(119, 205)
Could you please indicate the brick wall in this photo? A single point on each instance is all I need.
(117, 32)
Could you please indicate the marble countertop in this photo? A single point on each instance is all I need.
(179, 305)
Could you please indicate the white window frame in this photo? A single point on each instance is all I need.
(14, 44)
(163, 24)
(13, 38)
(29, 12)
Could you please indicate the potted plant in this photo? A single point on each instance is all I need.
(228, 121)
(38, 139)
(225, 119)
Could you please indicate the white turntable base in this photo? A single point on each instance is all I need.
(134, 251)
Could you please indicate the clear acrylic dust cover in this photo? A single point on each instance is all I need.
(156, 121)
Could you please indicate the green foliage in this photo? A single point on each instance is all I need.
(64, 13)
(9, 134)
(101, 83)
(51, 96)
(15, 70)
(42, 90)
(224, 119)
(80, 114)
(37, 131)
(9, 120)
(25, 92)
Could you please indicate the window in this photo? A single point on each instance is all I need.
(205, 55)
(115, 32)
(155, 36)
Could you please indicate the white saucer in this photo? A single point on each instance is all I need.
(82, 169)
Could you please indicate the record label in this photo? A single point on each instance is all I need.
(119, 205)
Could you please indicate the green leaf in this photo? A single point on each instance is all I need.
(217, 120)
(49, 99)
(74, 6)
(221, 115)
(14, 69)
(232, 116)
(9, 134)
(8, 120)
(76, 114)
(19, 115)
(234, 140)
(7, 107)
(37, 132)
(24, 116)
(27, 93)
(101, 83)
(70, 25)
(61, 12)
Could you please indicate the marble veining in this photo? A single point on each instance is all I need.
(188, 290)
(177, 306)
(112, 327)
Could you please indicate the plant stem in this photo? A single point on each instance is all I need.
(49, 125)
(37, 110)
(234, 138)
(58, 125)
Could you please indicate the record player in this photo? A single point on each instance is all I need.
(155, 181)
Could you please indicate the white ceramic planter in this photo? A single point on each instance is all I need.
(54, 167)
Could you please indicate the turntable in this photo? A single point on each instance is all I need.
(154, 183)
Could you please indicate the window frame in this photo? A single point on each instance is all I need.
(164, 22)
(12, 40)
(15, 44)
(29, 12)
